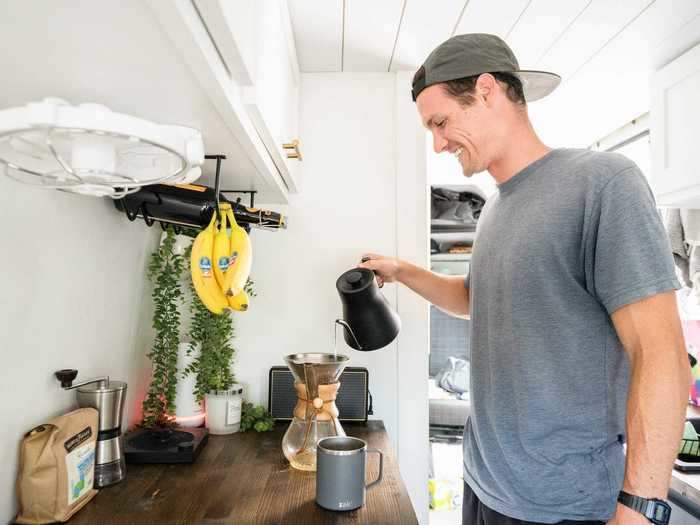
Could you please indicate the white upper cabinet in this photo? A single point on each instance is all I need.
(255, 41)
(675, 131)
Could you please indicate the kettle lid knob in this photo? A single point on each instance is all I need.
(354, 279)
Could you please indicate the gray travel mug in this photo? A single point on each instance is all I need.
(340, 472)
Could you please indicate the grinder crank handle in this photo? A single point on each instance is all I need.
(67, 375)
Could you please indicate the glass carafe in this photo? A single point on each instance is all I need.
(315, 414)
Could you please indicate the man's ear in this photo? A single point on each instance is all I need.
(485, 88)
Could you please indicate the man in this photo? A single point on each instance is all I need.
(576, 344)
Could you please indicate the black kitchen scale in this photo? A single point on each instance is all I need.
(164, 445)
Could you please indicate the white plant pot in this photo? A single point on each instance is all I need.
(188, 413)
(223, 410)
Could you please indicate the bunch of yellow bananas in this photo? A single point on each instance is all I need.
(220, 263)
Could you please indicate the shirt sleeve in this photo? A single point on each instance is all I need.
(628, 245)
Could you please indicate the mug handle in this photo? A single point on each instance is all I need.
(381, 466)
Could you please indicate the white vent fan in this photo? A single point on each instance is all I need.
(91, 150)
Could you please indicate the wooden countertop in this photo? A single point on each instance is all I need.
(244, 479)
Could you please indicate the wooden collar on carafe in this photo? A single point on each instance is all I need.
(323, 406)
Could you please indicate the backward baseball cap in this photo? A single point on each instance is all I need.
(473, 54)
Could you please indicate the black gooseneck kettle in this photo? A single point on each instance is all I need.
(370, 322)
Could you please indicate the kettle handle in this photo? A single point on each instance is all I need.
(364, 260)
(347, 326)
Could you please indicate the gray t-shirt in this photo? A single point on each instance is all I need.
(561, 246)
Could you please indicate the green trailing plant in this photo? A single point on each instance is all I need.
(256, 417)
(212, 334)
(164, 271)
(250, 288)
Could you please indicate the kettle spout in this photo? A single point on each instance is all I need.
(347, 327)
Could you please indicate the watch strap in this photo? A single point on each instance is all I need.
(634, 502)
(655, 510)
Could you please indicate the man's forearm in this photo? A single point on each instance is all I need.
(446, 292)
(656, 404)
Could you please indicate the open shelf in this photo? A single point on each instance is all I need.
(446, 257)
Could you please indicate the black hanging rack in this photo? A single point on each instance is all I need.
(190, 206)
(248, 192)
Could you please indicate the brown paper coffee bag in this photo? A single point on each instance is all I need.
(56, 468)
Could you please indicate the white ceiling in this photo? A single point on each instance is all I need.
(604, 51)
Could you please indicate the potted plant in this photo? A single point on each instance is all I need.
(164, 271)
(215, 386)
(257, 418)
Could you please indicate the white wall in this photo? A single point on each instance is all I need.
(73, 296)
(355, 198)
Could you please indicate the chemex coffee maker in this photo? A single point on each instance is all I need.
(315, 414)
(370, 324)
(107, 397)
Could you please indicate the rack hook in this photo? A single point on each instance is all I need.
(131, 215)
(146, 217)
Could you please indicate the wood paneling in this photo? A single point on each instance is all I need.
(318, 33)
(371, 28)
(425, 25)
(612, 86)
(598, 24)
(539, 27)
(491, 16)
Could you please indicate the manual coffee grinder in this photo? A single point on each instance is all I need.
(315, 414)
(107, 397)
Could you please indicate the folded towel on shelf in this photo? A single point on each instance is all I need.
(683, 228)
(679, 248)
(690, 219)
(456, 208)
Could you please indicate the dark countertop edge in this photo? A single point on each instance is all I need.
(684, 488)
(687, 503)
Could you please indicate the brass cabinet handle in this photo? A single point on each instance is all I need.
(294, 145)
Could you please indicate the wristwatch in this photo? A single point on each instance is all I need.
(656, 511)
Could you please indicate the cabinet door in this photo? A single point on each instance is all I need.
(675, 128)
(254, 40)
(273, 99)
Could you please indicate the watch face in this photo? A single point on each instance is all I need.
(661, 513)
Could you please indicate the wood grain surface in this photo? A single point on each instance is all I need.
(244, 479)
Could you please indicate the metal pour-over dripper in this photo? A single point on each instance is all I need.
(316, 414)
